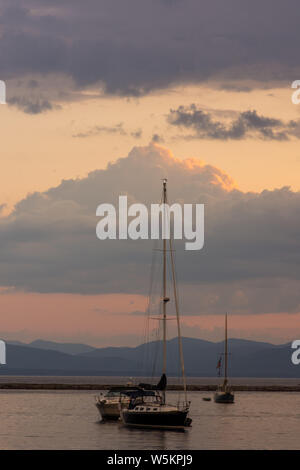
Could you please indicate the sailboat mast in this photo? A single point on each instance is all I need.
(226, 351)
(165, 299)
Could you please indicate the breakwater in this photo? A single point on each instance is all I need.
(172, 387)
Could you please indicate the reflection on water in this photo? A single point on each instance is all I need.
(70, 420)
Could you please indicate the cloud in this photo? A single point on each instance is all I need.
(2, 207)
(96, 130)
(247, 124)
(236, 87)
(249, 264)
(117, 129)
(33, 84)
(157, 138)
(158, 44)
(31, 105)
(137, 134)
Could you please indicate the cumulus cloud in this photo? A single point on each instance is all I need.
(246, 124)
(152, 45)
(249, 264)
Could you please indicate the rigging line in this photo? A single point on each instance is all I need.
(154, 334)
(164, 230)
(151, 357)
(145, 339)
(157, 343)
(156, 348)
(152, 277)
(174, 278)
(178, 319)
(179, 378)
(149, 307)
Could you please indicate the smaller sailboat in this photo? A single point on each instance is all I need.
(110, 403)
(224, 394)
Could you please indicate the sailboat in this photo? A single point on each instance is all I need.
(224, 393)
(157, 413)
(109, 404)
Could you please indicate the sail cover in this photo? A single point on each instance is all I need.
(162, 384)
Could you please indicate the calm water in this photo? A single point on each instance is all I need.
(69, 420)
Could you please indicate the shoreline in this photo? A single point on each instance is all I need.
(190, 387)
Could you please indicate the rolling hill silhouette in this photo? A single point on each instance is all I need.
(247, 359)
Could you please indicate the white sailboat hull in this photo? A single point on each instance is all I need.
(110, 408)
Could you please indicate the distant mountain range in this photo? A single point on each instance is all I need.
(68, 348)
(247, 359)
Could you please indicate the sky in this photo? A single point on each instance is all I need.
(106, 98)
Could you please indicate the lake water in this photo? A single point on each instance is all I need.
(70, 420)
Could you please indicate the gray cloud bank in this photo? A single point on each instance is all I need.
(250, 262)
(246, 124)
(134, 47)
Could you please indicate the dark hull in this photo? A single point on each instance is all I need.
(224, 397)
(160, 420)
